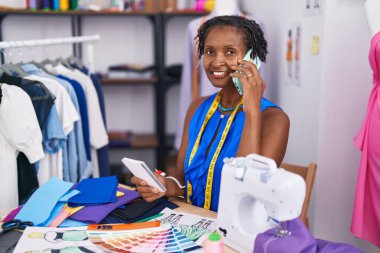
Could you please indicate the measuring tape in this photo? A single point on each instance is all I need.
(211, 168)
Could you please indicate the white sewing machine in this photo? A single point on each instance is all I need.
(254, 194)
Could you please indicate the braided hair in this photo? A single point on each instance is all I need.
(254, 36)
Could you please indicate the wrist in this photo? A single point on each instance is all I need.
(173, 187)
(253, 112)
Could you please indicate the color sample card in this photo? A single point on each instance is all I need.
(194, 227)
(157, 239)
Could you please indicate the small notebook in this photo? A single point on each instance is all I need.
(141, 170)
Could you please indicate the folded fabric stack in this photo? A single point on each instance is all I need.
(131, 71)
(60, 203)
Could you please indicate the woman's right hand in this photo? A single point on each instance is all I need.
(147, 192)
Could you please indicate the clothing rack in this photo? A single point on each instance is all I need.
(56, 41)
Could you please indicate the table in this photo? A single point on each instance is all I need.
(187, 208)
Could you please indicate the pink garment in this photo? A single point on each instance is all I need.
(366, 215)
(63, 214)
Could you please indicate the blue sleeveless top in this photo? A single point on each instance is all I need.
(197, 172)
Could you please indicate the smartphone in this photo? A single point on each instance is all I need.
(247, 57)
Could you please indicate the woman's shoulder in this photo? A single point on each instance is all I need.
(266, 103)
(202, 101)
(272, 113)
(275, 116)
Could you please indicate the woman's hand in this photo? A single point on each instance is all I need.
(147, 192)
(253, 85)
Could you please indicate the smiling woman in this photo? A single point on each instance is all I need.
(226, 124)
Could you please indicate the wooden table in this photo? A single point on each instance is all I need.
(187, 208)
(190, 209)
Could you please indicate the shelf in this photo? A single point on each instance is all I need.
(189, 12)
(158, 141)
(73, 13)
(128, 81)
(6, 11)
(137, 141)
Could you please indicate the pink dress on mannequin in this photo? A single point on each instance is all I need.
(366, 215)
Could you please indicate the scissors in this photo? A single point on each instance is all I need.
(14, 224)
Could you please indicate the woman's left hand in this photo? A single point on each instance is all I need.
(253, 85)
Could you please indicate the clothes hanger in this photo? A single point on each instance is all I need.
(5, 57)
(72, 60)
(47, 60)
(3, 66)
(37, 64)
(13, 69)
(17, 67)
(62, 61)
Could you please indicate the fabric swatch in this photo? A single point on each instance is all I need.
(12, 214)
(42, 202)
(94, 214)
(72, 223)
(120, 215)
(59, 207)
(95, 191)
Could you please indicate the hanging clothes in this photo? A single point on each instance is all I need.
(75, 163)
(102, 153)
(19, 132)
(194, 81)
(98, 133)
(53, 164)
(43, 102)
(366, 214)
(82, 101)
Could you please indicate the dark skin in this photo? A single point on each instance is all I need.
(264, 133)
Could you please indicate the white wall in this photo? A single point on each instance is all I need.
(327, 109)
(345, 87)
(301, 103)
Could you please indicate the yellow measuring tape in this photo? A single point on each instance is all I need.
(211, 168)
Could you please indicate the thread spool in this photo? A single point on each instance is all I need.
(33, 4)
(64, 5)
(46, 5)
(55, 5)
(214, 244)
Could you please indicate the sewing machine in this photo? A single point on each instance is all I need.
(254, 196)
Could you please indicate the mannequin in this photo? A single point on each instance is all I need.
(366, 214)
(372, 9)
(225, 7)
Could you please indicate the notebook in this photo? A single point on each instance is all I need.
(141, 170)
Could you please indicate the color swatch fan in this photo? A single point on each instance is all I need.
(157, 239)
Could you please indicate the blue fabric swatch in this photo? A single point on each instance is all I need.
(42, 202)
(95, 191)
(59, 206)
(72, 223)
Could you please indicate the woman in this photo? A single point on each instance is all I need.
(225, 124)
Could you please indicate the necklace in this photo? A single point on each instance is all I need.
(223, 109)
